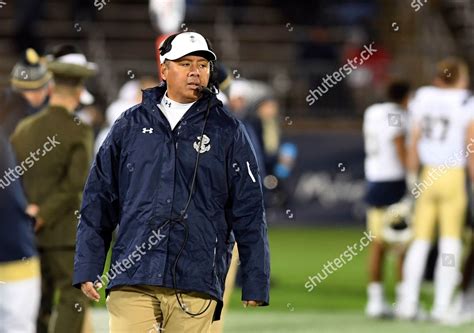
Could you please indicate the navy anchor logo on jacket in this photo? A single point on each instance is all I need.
(205, 144)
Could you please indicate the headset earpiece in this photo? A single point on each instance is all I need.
(213, 84)
(166, 46)
(212, 75)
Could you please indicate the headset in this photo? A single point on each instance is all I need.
(212, 86)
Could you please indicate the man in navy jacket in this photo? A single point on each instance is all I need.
(178, 177)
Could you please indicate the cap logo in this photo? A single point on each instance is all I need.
(192, 38)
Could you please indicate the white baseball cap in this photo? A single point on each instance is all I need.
(186, 43)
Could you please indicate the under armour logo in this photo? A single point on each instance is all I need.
(168, 103)
(192, 38)
(147, 130)
(203, 146)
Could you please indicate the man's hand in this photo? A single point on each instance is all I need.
(32, 210)
(90, 291)
(251, 303)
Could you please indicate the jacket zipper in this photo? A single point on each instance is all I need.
(214, 270)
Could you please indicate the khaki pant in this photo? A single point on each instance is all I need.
(375, 222)
(218, 326)
(442, 204)
(147, 309)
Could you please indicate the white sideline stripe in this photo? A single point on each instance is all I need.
(250, 172)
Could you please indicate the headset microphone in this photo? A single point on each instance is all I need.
(213, 90)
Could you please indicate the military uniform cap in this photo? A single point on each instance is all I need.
(29, 73)
(69, 61)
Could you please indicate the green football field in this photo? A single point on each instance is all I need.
(336, 305)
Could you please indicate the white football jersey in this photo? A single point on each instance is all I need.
(443, 116)
(382, 124)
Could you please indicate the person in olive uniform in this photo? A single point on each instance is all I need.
(58, 148)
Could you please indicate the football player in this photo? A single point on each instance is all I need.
(385, 159)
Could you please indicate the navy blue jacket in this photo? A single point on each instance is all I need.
(141, 179)
(17, 240)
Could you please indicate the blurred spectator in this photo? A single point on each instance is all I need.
(28, 92)
(92, 116)
(19, 263)
(55, 184)
(244, 94)
(371, 74)
(129, 95)
(240, 94)
(167, 15)
(278, 158)
(266, 122)
(252, 102)
(89, 112)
